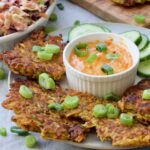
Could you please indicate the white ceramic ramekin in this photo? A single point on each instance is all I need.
(8, 41)
(100, 85)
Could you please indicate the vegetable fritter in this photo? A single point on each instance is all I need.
(33, 114)
(133, 102)
(23, 61)
(111, 129)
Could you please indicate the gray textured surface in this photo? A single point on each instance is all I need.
(12, 142)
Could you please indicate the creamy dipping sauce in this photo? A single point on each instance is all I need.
(120, 61)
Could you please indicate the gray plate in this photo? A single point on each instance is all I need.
(92, 141)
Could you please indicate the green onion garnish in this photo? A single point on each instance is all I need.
(53, 17)
(101, 47)
(52, 48)
(107, 69)
(71, 102)
(19, 131)
(126, 119)
(30, 141)
(25, 92)
(36, 48)
(112, 56)
(46, 82)
(77, 22)
(48, 29)
(2, 73)
(139, 19)
(60, 6)
(55, 106)
(81, 45)
(43, 55)
(99, 111)
(111, 96)
(91, 58)
(3, 132)
(80, 53)
(146, 94)
(112, 112)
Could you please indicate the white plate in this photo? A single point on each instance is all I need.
(7, 41)
(92, 141)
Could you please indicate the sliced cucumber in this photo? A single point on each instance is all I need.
(84, 29)
(144, 68)
(106, 29)
(134, 36)
(145, 53)
(143, 42)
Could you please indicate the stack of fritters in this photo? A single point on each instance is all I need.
(22, 60)
(33, 114)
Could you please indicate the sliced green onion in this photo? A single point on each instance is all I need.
(60, 6)
(2, 73)
(19, 131)
(139, 19)
(107, 69)
(25, 92)
(56, 106)
(99, 111)
(36, 48)
(111, 96)
(46, 82)
(48, 29)
(71, 102)
(53, 17)
(126, 119)
(81, 45)
(91, 58)
(43, 55)
(80, 53)
(30, 141)
(146, 94)
(112, 56)
(41, 2)
(76, 23)
(101, 47)
(52, 48)
(112, 112)
(109, 105)
(3, 132)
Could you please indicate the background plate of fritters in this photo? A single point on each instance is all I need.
(92, 141)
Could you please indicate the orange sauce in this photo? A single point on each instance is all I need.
(122, 63)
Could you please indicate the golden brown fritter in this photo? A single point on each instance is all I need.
(23, 61)
(132, 101)
(34, 115)
(111, 129)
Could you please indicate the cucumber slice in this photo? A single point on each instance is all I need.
(106, 29)
(144, 68)
(134, 36)
(145, 53)
(83, 29)
(143, 42)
